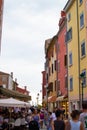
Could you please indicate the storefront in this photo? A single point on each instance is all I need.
(62, 102)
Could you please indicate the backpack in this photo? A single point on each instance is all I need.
(33, 125)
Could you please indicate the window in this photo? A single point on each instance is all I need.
(4, 79)
(69, 35)
(70, 59)
(65, 60)
(83, 52)
(55, 64)
(66, 82)
(49, 71)
(55, 85)
(65, 37)
(81, 20)
(68, 17)
(52, 68)
(71, 83)
(80, 1)
(59, 85)
(58, 66)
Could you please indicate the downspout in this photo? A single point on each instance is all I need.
(57, 66)
(78, 54)
(67, 65)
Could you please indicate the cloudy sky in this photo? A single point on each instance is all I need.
(26, 26)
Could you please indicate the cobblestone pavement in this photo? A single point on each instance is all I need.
(43, 129)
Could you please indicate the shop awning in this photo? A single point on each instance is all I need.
(52, 99)
(14, 94)
(61, 98)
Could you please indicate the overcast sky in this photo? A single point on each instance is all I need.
(26, 26)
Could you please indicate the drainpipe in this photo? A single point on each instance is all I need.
(78, 54)
(67, 65)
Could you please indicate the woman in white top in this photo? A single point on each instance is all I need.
(74, 123)
(17, 123)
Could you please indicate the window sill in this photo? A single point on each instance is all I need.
(82, 57)
(80, 3)
(81, 27)
(70, 65)
(69, 40)
(71, 90)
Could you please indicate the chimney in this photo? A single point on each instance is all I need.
(25, 87)
(16, 80)
(12, 75)
(63, 14)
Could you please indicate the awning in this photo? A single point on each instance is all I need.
(61, 98)
(14, 94)
(52, 99)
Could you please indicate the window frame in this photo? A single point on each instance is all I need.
(65, 60)
(52, 68)
(68, 16)
(71, 85)
(69, 34)
(81, 20)
(84, 47)
(80, 2)
(70, 59)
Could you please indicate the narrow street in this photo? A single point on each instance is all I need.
(43, 129)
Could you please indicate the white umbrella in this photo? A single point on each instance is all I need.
(11, 102)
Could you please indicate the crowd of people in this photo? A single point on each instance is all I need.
(20, 118)
(36, 119)
(76, 121)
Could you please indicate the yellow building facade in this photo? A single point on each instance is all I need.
(76, 49)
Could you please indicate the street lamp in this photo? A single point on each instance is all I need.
(37, 99)
(82, 77)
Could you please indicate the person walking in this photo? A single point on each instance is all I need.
(36, 117)
(58, 124)
(83, 115)
(53, 114)
(49, 126)
(74, 123)
(41, 118)
(17, 123)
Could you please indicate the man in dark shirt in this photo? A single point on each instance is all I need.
(58, 124)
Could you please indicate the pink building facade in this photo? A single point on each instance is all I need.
(62, 84)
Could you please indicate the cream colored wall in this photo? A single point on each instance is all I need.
(52, 77)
